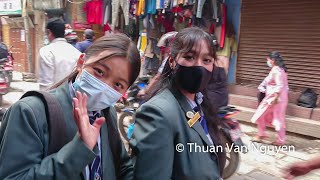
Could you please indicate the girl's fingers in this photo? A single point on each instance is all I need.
(80, 99)
(77, 118)
(84, 104)
(98, 122)
(75, 103)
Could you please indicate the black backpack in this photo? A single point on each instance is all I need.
(57, 127)
(308, 99)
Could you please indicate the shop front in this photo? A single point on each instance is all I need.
(290, 27)
(13, 33)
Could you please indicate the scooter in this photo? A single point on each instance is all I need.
(4, 84)
(131, 103)
(7, 64)
(232, 138)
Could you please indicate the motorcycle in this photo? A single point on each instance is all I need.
(232, 138)
(4, 84)
(130, 102)
(6, 63)
(8, 66)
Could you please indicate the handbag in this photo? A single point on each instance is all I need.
(260, 96)
(308, 98)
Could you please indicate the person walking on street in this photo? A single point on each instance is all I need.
(87, 97)
(88, 36)
(57, 59)
(272, 109)
(179, 115)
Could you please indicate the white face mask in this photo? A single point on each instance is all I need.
(269, 64)
(100, 95)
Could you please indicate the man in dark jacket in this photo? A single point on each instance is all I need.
(83, 45)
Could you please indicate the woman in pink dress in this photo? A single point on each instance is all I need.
(272, 109)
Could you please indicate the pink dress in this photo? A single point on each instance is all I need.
(273, 114)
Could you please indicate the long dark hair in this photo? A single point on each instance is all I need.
(278, 61)
(119, 45)
(183, 42)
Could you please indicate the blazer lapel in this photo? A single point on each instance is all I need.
(186, 107)
(107, 158)
(64, 97)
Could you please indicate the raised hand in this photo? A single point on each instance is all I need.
(296, 170)
(88, 133)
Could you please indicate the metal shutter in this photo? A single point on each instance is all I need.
(291, 27)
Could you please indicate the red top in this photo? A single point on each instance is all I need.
(94, 11)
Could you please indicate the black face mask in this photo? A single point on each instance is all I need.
(192, 79)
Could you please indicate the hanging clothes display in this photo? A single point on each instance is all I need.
(224, 24)
(151, 6)
(94, 12)
(140, 7)
(159, 4)
(143, 41)
(116, 4)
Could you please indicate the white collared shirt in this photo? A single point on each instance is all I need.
(56, 61)
(193, 104)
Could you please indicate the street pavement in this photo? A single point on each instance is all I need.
(17, 89)
(260, 164)
(257, 164)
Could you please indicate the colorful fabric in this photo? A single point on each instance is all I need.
(223, 26)
(230, 45)
(143, 41)
(94, 11)
(151, 6)
(199, 8)
(140, 7)
(159, 4)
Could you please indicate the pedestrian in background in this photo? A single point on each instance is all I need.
(88, 35)
(110, 66)
(71, 38)
(178, 115)
(57, 59)
(272, 109)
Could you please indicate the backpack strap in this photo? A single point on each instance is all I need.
(114, 139)
(55, 120)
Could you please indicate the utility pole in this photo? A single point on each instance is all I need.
(27, 34)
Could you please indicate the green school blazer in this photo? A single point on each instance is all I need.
(161, 128)
(24, 143)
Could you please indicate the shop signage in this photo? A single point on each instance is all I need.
(10, 7)
(48, 4)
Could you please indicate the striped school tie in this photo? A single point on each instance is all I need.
(96, 166)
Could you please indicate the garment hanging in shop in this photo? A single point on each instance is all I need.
(116, 4)
(223, 26)
(94, 11)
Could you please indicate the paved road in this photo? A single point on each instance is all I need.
(17, 89)
(267, 165)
